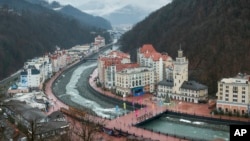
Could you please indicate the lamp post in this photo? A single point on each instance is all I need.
(124, 103)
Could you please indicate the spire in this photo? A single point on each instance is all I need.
(180, 52)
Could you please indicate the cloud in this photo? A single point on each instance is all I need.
(103, 7)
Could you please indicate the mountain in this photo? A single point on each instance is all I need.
(121, 12)
(72, 12)
(29, 30)
(126, 15)
(85, 18)
(214, 35)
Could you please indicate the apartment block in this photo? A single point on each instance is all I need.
(233, 94)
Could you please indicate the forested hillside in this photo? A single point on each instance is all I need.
(28, 30)
(214, 34)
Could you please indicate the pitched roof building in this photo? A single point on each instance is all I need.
(179, 87)
(148, 56)
(107, 67)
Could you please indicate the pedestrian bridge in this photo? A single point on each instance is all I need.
(87, 59)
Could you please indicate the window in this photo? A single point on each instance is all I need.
(235, 100)
(226, 99)
(235, 96)
(243, 101)
(235, 89)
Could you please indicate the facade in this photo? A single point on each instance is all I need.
(59, 60)
(43, 64)
(99, 41)
(134, 81)
(234, 94)
(81, 48)
(180, 71)
(107, 67)
(149, 57)
(30, 77)
(179, 87)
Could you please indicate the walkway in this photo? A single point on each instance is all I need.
(57, 104)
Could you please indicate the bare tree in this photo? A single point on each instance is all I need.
(84, 127)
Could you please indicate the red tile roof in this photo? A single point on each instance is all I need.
(120, 67)
(147, 48)
(119, 54)
(107, 61)
(148, 51)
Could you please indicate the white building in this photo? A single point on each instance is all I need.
(81, 48)
(179, 87)
(30, 77)
(59, 60)
(99, 41)
(107, 67)
(43, 64)
(234, 94)
(180, 71)
(149, 57)
(134, 81)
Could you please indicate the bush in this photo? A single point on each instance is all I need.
(246, 115)
(222, 112)
(215, 111)
(238, 114)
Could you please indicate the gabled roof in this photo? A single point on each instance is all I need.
(120, 67)
(55, 115)
(119, 54)
(24, 73)
(165, 82)
(51, 126)
(193, 85)
(35, 71)
(27, 112)
(148, 51)
(147, 48)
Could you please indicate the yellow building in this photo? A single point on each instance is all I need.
(134, 81)
(233, 94)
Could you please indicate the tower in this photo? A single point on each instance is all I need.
(180, 72)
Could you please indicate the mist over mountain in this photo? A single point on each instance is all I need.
(214, 35)
(119, 12)
(126, 15)
(85, 18)
(29, 30)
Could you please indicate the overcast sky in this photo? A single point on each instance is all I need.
(110, 5)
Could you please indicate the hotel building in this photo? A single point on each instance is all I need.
(234, 94)
(134, 81)
(107, 64)
(147, 56)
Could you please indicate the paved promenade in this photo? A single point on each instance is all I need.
(57, 104)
